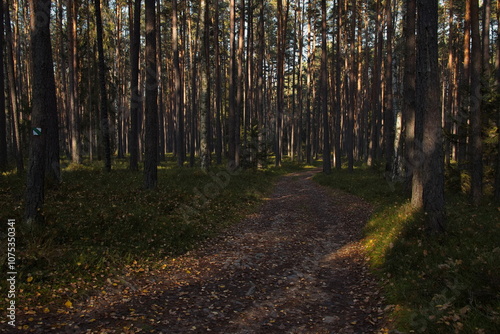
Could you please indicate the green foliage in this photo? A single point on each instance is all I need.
(99, 223)
(433, 283)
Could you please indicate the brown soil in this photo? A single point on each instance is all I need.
(295, 266)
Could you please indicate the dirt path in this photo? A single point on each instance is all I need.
(296, 266)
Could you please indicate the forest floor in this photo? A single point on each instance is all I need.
(296, 265)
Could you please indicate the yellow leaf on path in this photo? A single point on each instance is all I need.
(46, 310)
(29, 279)
(68, 304)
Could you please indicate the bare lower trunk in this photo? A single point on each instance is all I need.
(428, 95)
(151, 128)
(3, 120)
(43, 101)
(106, 141)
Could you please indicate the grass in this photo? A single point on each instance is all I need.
(98, 223)
(434, 283)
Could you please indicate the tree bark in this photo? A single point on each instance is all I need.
(337, 86)
(135, 92)
(205, 110)
(3, 119)
(462, 119)
(476, 148)
(389, 131)
(413, 138)
(327, 164)
(74, 106)
(151, 128)
(486, 39)
(497, 84)
(178, 91)
(106, 141)
(232, 84)
(280, 103)
(44, 100)
(428, 95)
(12, 91)
(239, 85)
(218, 89)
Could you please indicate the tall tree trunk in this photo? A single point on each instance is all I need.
(218, 88)
(13, 92)
(376, 88)
(337, 60)
(3, 119)
(232, 83)
(205, 110)
(239, 84)
(413, 130)
(74, 107)
(195, 103)
(106, 141)
(497, 84)
(280, 103)
(476, 148)
(310, 95)
(44, 100)
(151, 128)
(260, 96)
(486, 39)
(327, 164)
(465, 84)
(300, 82)
(135, 93)
(389, 132)
(161, 85)
(353, 77)
(178, 91)
(428, 95)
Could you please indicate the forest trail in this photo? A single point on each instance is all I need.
(295, 266)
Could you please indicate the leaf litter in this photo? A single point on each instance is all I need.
(295, 266)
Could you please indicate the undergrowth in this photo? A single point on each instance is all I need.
(445, 283)
(98, 223)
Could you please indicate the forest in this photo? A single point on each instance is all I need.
(113, 111)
